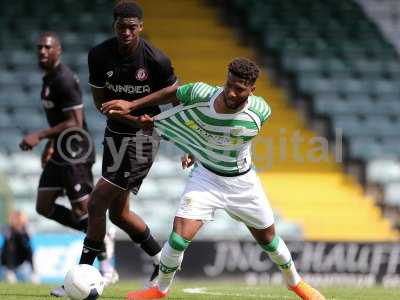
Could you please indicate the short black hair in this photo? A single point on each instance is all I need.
(128, 9)
(245, 69)
(51, 34)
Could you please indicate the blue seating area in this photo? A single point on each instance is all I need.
(341, 68)
(80, 25)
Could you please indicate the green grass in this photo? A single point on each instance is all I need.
(215, 290)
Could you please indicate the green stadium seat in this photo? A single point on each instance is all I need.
(23, 59)
(6, 121)
(392, 194)
(29, 120)
(351, 85)
(380, 125)
(350, 124)
(392, 142)
(383, 171)
(8, 79)
(359, 96)
(368, 66)
(25, 163)
(300, 64)
(387, 106)
(11, 98)
(330, 106)
(95, 121)
(314, 83)
(365, 148)
(10, 139)
(334, 65)
(383, 86)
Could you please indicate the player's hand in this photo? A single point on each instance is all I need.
(116, 107)
(145, 121)
(187, 161)
(30, 141)
(47, 153)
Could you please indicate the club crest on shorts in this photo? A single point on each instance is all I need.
(46, 92)
(77, 187)
(141, 74)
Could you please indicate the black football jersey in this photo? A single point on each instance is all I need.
(61, 92)
(132, 77)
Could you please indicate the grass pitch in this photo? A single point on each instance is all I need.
(193, 290)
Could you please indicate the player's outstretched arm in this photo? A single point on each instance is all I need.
(99, 98)
(47, 152)
(74, 118)
(122, 107)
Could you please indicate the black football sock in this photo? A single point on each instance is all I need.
(64, 216)
(83, 222)
(102, 255)
(90, 250)
(146, 242)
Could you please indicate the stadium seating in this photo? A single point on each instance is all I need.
(338, 62)
(21, 112)
(307, 43)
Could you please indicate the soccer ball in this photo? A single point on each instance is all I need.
(83, 282)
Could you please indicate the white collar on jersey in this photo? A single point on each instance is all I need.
(224, 116)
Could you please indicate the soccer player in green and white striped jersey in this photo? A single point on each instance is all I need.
(215, 127)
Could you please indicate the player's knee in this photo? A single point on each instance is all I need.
(270, 244)
(43, 209)
(79, 209)
(113, 217)
(177, 242)
(116, 218)
(97, 203)
(269, 237)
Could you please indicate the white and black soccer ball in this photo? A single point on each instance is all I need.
(83, 282)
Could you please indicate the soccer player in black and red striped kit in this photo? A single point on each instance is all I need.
(124, 67)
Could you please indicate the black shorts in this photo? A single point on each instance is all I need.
(74, 180)
(127, 159)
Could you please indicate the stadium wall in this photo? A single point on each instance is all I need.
(323, 263)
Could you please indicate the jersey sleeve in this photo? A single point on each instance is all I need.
(260, 109)
(96, 74)
(69, 95)
(264, 110)
(194, 92)
(166, 75)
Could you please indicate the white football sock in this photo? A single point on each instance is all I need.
(156, 258)
(171, 259)
(281, 257)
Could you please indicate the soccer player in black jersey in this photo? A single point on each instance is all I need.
(124, 67)
(69, 153)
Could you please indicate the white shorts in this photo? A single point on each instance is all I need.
(242, 197)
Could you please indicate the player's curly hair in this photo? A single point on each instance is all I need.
(244, 68)
(128, 9)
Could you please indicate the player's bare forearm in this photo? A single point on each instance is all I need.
(129, 120)
(49, 144)
(164, 96)
(31, 140)
(98, 97)
(74, 118)
(54, 131)
(121, 107)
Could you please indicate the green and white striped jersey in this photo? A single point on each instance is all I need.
(222, 142)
